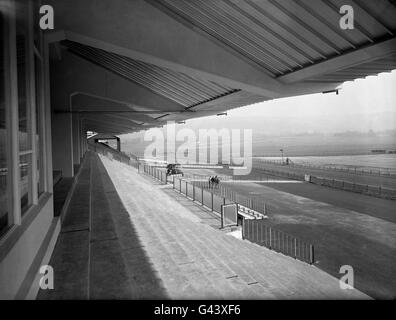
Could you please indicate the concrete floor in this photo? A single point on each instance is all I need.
(61, 191)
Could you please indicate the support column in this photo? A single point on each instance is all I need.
(62, 143)
(85, 142)
(76, 139)
(47, 116)
(82, 137)
(118, 144)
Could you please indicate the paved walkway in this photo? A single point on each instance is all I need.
(127, 237)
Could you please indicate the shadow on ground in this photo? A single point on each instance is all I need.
(98, 254)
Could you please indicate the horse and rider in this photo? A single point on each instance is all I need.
(172, 169)
(214, 182)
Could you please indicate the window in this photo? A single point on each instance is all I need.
(39, 99)
(21, 114)
(39, 135)
(24, 109)
(4, 221)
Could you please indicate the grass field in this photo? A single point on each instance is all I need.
(358, 161)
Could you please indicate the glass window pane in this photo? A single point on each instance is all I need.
(4, 222)
(24, 114)
(38, 69)
(36, 24)
(25, 163)
(39, 163)
(38, 75)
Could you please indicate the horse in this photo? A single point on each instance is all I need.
(214, 182)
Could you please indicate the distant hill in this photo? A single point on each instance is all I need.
(315, 135)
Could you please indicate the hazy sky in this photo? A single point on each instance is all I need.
(364, 96)
(361, 105)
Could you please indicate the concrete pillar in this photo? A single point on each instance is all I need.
(76, 139)
(62, 143)
(118, 144)
(82, 137)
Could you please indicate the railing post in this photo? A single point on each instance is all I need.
(270, 237)
(312, 257)
(287, 244)
(212, 199)
(193, 192)
(281, 241)
(243, 229)
(257, 232)
(295, 248)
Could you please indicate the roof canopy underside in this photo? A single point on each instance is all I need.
(137, 64)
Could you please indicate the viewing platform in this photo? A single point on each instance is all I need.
(125, 236)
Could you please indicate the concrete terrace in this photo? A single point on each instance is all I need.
(125, 236)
